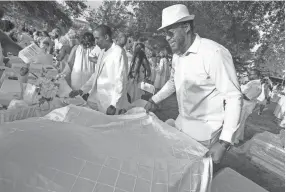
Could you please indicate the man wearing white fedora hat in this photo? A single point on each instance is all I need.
(203, 77)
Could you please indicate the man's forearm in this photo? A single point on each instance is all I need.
(166, 91)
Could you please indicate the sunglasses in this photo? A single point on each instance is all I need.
(169, 32)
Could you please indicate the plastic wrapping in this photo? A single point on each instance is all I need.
(16, 104)
(30, 95)
(282, 137)
(78, 149)
(266, 150)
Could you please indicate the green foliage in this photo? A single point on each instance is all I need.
(36, 13)
(239, 26)
(111, 13)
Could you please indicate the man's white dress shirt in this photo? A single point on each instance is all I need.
(203, 78)
(107, 86)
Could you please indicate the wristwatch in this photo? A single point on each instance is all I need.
(225, 144)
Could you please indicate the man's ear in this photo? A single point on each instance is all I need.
(106, 37)
(187, 28)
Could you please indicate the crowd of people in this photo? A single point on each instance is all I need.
(257, 94)
(99, 66)
(76, 54)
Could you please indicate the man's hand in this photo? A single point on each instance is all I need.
(122, 111)
(150, 106)
(85, 96)
(75, 93)
(217, 152)
(111, 110)
(93, 59)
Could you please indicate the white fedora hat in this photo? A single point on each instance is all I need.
(175, 14)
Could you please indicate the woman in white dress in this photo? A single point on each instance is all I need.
(161, 71)
(80, 67)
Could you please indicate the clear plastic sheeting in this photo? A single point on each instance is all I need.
(77, 149)
(266, 150)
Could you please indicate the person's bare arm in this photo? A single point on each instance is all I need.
(62, 52)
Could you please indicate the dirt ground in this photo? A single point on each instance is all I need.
(240, 163)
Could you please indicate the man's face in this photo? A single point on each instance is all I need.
(176, 35)
(121, 40)
(44, 46)
(100, 39)
(53, 37)
(71, 34)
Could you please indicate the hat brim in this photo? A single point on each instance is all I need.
(187, 18)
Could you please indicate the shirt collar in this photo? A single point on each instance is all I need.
(194, 47)
(110, 48)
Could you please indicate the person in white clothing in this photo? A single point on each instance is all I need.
(279, 111)
(161, 71)
(203, 77)
(121, 40)
(264, 96)
(106, 89)
(251, 92)
(55, 36)
(79, 67)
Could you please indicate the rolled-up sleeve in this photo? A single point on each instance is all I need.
(119, 69)
(168, 89)
(223, 73)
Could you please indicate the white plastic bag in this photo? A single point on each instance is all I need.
(30, 94)
(15, 104)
